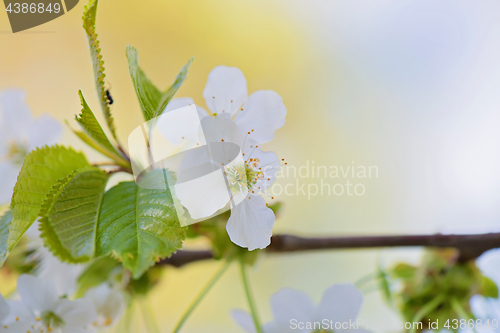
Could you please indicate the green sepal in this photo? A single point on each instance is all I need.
(96, 273)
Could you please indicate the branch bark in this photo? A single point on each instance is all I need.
(470, 246)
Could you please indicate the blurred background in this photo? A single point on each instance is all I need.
(411, 87)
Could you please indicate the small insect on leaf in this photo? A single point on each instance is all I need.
(108, 96)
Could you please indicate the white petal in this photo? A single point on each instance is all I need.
(62, 274)
(109, 303)
(4, 309)
(226, 90)
(264, 112)
(18, 312)
(221, 129)
(178, 103)
(340, 303)
(8, 178)
(45, 130)
(37, 294)
(16, 115)
(244, 319)
(204, 195)
(77, 314)
(288, 304)
(77, 330)
(17, 327)
(251, 223)
(275, 327)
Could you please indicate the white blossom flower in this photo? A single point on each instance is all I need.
(486, 308)
(294, 311)
(4, 309)
(248, 122)
(19, 134)
(109, 304)
(49, 267)
(41, 309)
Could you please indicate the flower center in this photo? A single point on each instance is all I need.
(16, 152)
(51, 320)
(244, 175)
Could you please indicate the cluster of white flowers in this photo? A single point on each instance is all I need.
(41, 308)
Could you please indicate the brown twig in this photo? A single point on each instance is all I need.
(470, 246)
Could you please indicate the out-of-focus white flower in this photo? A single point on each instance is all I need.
(485, 308)
(19, 134)
(4, 309)
(247, 122)
(109, 304)
(64, 275)
(294, 311)
(41, 309)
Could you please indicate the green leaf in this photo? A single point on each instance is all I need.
(169, 94)
(70, 213)
(404, 271)
(89, 18)
(41, 170)
(94, 131)
(384, 284)
(139, 225)
(4, 233)
(151, 99)
(96, 273)
(488, 287)
(149, 96)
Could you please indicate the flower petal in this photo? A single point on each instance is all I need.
(76, 314)
(37, 294)
(251, 223)
(264, 113)
(109, 303)
(18, 312)
(16, 115)
(45, 130)
(221, 129)
(202, 195)
(4, 309)
(226, 90)
(178, 103)
(63, 275)
(244, 319)
(288, 304)
(17, 327)
(275, 327)
(8, 178)
(340, 303)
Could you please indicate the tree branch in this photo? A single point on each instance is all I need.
(470, 246)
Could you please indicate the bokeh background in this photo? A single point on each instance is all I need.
(412, 87)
